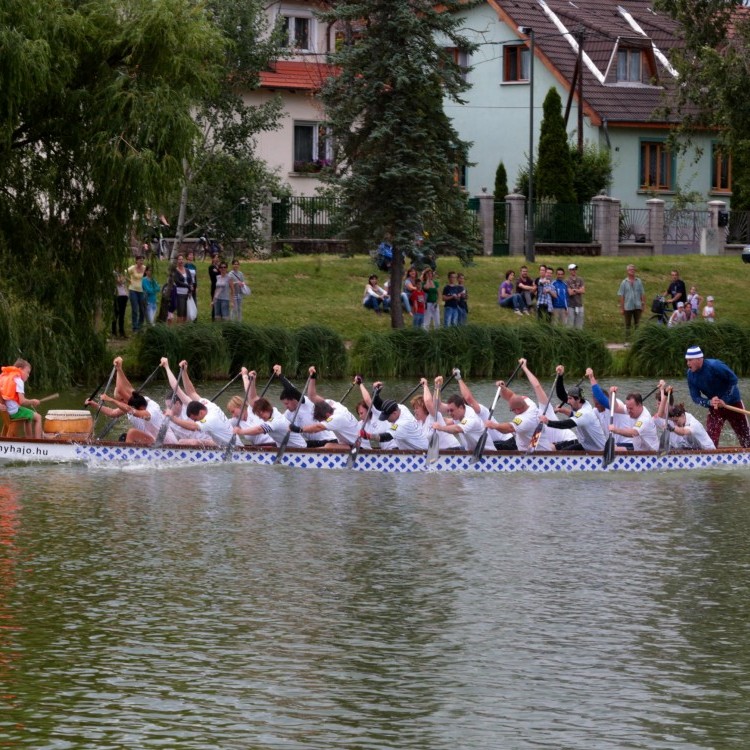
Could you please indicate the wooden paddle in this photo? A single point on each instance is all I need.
(219, 392)
(354, 451)
(267, 385)
(106, 388)
(357, 381)
(609, 447)
(285, 440)
(476, 456)
(665, 438)
(433, 449)
(49, 398)
(737, 409)
(230, 445)
(540, 427)
(165, 424)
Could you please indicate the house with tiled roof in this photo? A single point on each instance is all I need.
(302, 146)
(618, 102)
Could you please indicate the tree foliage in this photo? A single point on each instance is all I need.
(554, 169)
(95, 120)
(714, 78)
(225, 182)
(396, 152)
(501, 182)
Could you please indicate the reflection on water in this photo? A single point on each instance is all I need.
(243, 607)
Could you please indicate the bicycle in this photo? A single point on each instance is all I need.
(659, 308)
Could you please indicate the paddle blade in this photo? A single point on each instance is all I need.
(609, 451)
(479, 448)
(535, 438)
(433, 450)
(352, 456)
(664, 442)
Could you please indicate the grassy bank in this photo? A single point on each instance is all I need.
(326, 291)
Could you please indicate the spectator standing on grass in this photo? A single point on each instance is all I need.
(213, 274)
(135, 275)
(545, 293)
(463, 301)
(431, 287)
(560, 300)
(676, 291)
(694, 302)
(576, 290)
(151, 288)
(632, 299)
(120, 304)
(418, 304)
(709, 314)
(451, 296)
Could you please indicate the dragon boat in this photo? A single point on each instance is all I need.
(27, 451)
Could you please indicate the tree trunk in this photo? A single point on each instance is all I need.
(397, 274)
(180, 228)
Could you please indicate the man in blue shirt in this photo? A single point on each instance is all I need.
(713, 385)
(560, 302)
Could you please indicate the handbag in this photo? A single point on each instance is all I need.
(245, 289)
(192, 309)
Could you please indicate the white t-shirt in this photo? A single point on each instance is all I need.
(11, 405)
(216, 426)
(405, 431)
(278, 427)
(446, 441)
(305, 417)
(471, 429)
(525, 425)
(589, 429)
(646, 439)
(342, 423)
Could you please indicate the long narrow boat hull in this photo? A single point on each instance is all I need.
(23, 451)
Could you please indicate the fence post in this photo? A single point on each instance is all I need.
(487, 222)
(516, 224)
(714, 207)
(656, 224)
(607, 223)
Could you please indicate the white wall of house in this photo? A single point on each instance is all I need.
(277, 147)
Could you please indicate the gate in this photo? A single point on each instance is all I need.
(682, 230)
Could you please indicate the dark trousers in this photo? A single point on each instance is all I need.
(118, 320)
(717, 417)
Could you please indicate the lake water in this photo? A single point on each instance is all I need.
(262, 607)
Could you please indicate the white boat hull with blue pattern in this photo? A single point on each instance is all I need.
(15, 450)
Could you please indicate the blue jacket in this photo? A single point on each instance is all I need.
(713, 379)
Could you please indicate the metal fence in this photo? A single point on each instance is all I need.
(303, 217)
(559, 222)
(738, 230)
(634, 224)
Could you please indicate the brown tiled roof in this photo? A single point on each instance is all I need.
(296, 75)
(602, 24)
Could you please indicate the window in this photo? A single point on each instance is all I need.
(721, 170)
(656, 166)
(515, 63)
(629, 65)
(313, 147)
(297, 32)
(460, 57)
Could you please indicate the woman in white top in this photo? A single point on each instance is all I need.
(375, 297)
(236, 285)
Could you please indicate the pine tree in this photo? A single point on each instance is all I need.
(554, 168)
(396, 151)
(501, 182)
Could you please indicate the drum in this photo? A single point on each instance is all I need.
(68, 423)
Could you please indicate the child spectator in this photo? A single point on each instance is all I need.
(418, 301)
(678, 316)
(709, 314)
(694, 302)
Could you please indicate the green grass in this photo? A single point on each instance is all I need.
(327, 290)
(298, 301)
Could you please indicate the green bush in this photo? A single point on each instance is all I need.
(658, 350)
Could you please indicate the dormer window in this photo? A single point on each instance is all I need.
(629, 65)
